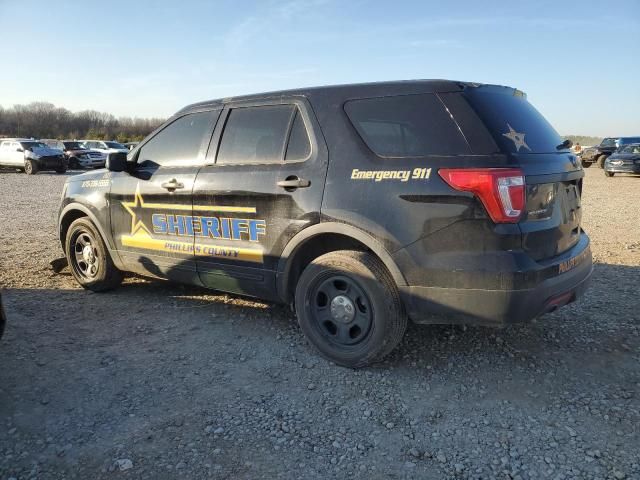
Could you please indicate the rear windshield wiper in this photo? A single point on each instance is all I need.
(564, 145)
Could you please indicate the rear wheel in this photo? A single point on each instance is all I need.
(601, 160)
(586, 164)
(349, 308)
(608, 174)
(61, 169)
(88, 257)
(30, 167)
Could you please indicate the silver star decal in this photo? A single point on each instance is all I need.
(517, 138)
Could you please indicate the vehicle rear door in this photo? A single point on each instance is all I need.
(151, 205)
(262, 184)
(552, 221)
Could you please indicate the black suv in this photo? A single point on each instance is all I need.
(360, 205)
(599, 153)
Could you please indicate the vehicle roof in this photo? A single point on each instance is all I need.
(347, 91)
(13, 139)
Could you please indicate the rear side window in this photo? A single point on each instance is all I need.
(299, 146)
(255, 134)
(406, 126)
(514, 123)
(179, 143)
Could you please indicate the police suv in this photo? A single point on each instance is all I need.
(362, 206)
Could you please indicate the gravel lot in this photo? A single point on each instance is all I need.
(163, 381)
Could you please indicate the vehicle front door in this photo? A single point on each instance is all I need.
(151, 204)
(262, 184)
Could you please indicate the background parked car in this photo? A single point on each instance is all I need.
(625, 160)
(104, 146)
(31, 156)
(599, 153)
(77, 155)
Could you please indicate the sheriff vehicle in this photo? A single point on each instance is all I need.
(362, 206)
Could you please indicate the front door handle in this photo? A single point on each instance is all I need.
(294, 182)
(172, 185)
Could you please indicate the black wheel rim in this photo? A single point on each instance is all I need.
(84, 256)
(340, 310)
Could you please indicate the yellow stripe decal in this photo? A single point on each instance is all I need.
(200, 208)
(188, 248)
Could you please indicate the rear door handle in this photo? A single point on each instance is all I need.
(172, 185)
(294, 182)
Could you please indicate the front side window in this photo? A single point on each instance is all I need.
(179, 143)
(608, 142)
(406, 126)
(255, 134)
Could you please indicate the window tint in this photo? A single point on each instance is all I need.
(179, 142)
(514, 123)
(255, 134)
(299, 146)
(406, 126)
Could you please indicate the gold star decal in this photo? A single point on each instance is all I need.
(516, 138)
(132, 208)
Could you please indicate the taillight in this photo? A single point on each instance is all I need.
(501, 190)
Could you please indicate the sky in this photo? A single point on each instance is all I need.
(578, 61)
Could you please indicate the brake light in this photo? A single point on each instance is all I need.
(501, 190)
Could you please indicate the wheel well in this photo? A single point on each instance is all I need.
(69, 217)
(313, 248)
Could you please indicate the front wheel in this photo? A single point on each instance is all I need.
(30, 167)
(608, 174)
(61, 169)
(586, 165)
(349, 308)
(601, 160)
(88, 257)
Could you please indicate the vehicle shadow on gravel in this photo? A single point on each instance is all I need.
(605, 319)
(45, 173)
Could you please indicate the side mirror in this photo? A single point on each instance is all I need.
(117, 162)
(19, 149)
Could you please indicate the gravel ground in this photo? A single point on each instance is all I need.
(162, 381)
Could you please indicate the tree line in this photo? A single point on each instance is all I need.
(584, 140)
(45, 120)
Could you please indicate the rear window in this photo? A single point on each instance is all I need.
(406, 126)
(514, 123)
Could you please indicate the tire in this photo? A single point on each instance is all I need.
(586, 165)
(608, 174)
(349, 308)
(30, 167)
(74, 164)
(88, 257)
(601, 160)
(61, 169)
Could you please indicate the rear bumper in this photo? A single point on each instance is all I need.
(562, 280)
